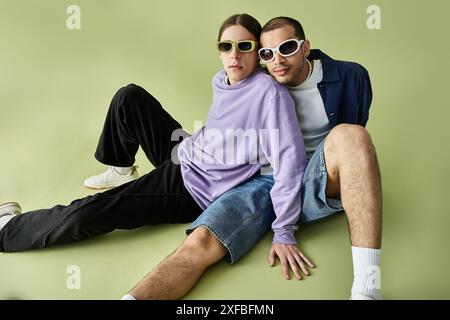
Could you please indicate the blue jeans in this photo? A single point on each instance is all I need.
(242, 216)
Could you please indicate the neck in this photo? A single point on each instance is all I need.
(306, 72)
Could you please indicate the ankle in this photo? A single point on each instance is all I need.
(122, 170)
(367, 274)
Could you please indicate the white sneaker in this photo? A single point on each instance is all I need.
(10, 208)
(111, 178)
(8, 211)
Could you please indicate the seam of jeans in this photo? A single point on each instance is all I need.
(223, 242)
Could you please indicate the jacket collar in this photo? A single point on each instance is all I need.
(330, 70)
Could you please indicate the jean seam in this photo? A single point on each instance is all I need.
(221, 240)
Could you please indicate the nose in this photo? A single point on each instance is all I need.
(234, 53)
(278, 58)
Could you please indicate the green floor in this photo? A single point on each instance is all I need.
(56, 84)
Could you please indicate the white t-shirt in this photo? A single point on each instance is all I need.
(310, 109)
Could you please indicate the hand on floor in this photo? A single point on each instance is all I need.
(290, 255)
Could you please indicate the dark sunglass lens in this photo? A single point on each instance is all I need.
(224, 46)
(288, 47)
(245, 46)
(266, 54)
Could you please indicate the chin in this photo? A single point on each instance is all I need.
(279, 79)
(282, 80)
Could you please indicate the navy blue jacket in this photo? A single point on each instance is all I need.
(345, 89)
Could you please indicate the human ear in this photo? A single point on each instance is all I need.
(306, 47)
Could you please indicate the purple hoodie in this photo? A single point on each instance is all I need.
(249, 124)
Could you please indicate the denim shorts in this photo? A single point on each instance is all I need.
(243, 215)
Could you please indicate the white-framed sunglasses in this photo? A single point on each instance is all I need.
(285, 49)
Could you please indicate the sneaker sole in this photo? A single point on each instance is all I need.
(100, 188)
(109, 186)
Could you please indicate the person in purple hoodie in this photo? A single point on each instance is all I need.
(251, 124)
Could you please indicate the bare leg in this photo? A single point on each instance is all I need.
(179, 272)
(353, 173)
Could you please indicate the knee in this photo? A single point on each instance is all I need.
(129, 90)
(127, 95)
(202, 244)
(349, 139)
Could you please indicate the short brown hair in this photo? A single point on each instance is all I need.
(280, 22)
(245, 20)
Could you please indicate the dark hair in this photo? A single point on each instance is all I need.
(280, 22)
(245, 20)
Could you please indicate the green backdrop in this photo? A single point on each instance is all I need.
(56, 85)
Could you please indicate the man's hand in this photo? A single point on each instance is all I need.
(290, 253)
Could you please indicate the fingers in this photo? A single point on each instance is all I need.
(301, 264)
(284, 267)
(271, 257)
(305, 258)
(302, 260)
(293, 262)
(290, 258)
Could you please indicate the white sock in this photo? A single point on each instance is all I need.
(128, 297)
(5, 219)
(122, 170)
(366, 271)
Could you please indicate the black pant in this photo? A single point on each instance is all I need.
(134, 119)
